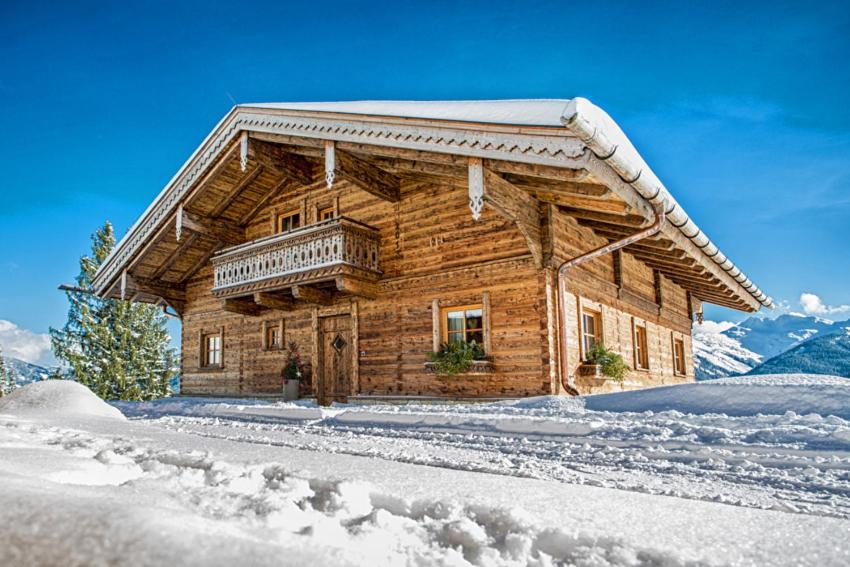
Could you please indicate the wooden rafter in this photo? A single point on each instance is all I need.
(368, 177)
(237, 190)
(284, 183)
(197, 266)
(228, 232)
(291, 165)
(517, 206)
(175, 256)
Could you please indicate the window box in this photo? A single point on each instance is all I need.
(591, 374)
(478, 367)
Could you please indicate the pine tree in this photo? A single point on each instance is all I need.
(118, 349)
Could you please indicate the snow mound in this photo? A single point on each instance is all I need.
(769, 394)
(56, 398)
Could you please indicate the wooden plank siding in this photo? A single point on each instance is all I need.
(432, 253)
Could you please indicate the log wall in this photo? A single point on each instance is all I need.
(433, 253)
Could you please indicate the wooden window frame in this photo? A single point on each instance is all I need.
(444, 321)
(203, 350)
(323, 209)
(599, 336)
(679, 359)
(280, 217)
(641, 349)
(440, 322)
(268, 327)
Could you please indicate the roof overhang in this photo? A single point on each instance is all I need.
(572, 134)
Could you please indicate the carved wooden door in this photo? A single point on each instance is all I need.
(335, 359)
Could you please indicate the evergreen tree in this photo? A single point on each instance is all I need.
(118, 349)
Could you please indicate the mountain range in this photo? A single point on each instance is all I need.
(788, 343)
(26, 372)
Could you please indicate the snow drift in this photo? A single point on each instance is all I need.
(56, 399)
(768, 394)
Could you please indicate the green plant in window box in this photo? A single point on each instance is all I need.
(456, 357)
(612, 364)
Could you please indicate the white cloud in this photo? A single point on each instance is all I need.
(712, 327)
(25, 345)
(812, 305)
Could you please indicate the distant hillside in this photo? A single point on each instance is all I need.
(829, 354)
(739, 349)
(25, 371)
(717, 356)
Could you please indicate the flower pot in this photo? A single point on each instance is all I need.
(291, 389)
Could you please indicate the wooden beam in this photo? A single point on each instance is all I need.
(309, 294)
(567, 187)
(176, 255)
(237, 190)
(196, 267)
(170, 292)
(213, 174)
(368, 177)
(220, 229)
(355, 286)
(242, 306)
(274, 301)
(291, 165)
(518, 207)
(631, 221)
(285, 183)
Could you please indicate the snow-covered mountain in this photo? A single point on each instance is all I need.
(740, 348)
(827, 354)
(25, 371)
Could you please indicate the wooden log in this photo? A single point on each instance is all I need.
(242, 306)
(274, 301)
(310, 294)
(283, 185)
(357, 287)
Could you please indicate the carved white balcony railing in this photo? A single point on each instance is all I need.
(321, 251)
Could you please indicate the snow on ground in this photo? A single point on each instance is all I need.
(189, 481)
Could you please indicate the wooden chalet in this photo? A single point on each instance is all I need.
(371, 232)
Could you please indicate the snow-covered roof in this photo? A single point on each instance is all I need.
(554, 129)
(529, 112)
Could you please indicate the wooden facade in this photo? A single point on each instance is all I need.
(358, 251)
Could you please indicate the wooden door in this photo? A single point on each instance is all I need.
(334, 359)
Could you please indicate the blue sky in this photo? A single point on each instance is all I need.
(740, 108)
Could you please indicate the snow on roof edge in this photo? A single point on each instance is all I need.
(516, 112)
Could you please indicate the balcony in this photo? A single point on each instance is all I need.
(338, 255)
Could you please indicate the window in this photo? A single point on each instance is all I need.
(212, 349)
(325, 213)
(641, 354)
(273, 337)
(679, 357)
(463, 324)
(288, 221)
(591, 330)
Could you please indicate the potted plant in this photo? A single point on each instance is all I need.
(456, 358)
(602, 363)
(293, 372)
